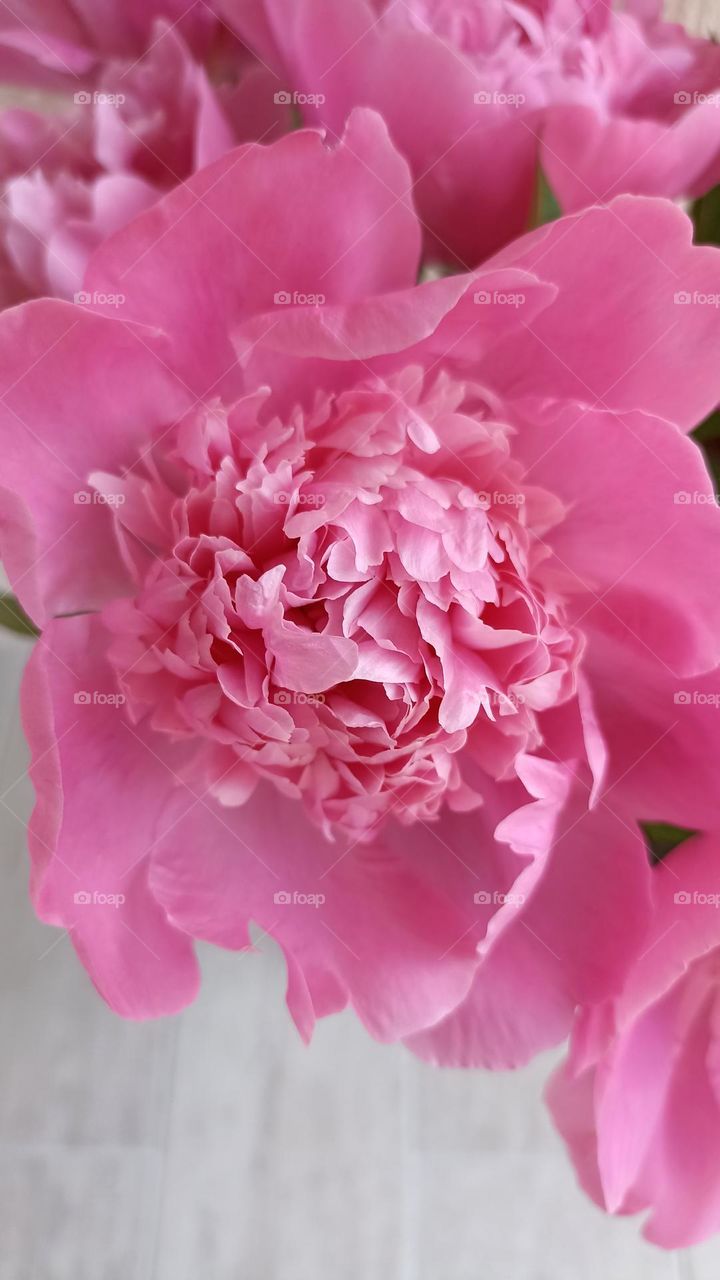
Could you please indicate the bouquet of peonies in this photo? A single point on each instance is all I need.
(349, 479)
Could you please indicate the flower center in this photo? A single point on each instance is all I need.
(351, 605)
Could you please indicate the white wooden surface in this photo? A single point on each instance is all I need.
(700, 17)
(214, 1146)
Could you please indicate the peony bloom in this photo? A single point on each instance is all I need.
(637, 109)
(638, 1101)
(337, 575)
(475, 92)
(55, 42)
(144, 125)
(29, 139)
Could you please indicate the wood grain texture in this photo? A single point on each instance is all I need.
(215, 1146)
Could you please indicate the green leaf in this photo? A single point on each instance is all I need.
(706, 218)
(661, 838)
(14, 618)
(546, 207)
(707, 435)
(709, 429)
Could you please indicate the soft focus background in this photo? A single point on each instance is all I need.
(701, 17)
(215, 1146)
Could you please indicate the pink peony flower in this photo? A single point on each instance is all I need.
(53, 42)
(637, 1101)
(637, 110)
(475, 92)
(336, 575)
(73, 179)
(29, 139)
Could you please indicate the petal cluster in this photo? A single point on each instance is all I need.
(637, 1101)
(337, 573)
(608, 99)
(375, 565)
(328, 605)
(132, 129)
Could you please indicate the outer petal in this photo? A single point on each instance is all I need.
(394, 322)
(686, 918)
(90, 846)
(639, 545)
(571, 936)
(251, 21)
(260, 227)
(570, 1101)
(590, 159)
(42, 62)
(662, 730)
(474, 162)
(42, 41)
(637, 1101)
(634, 306)
(681, 1179)
(77, 393)
(630, 1093)
(353, 919)
(643, 1127)
(297, 350)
